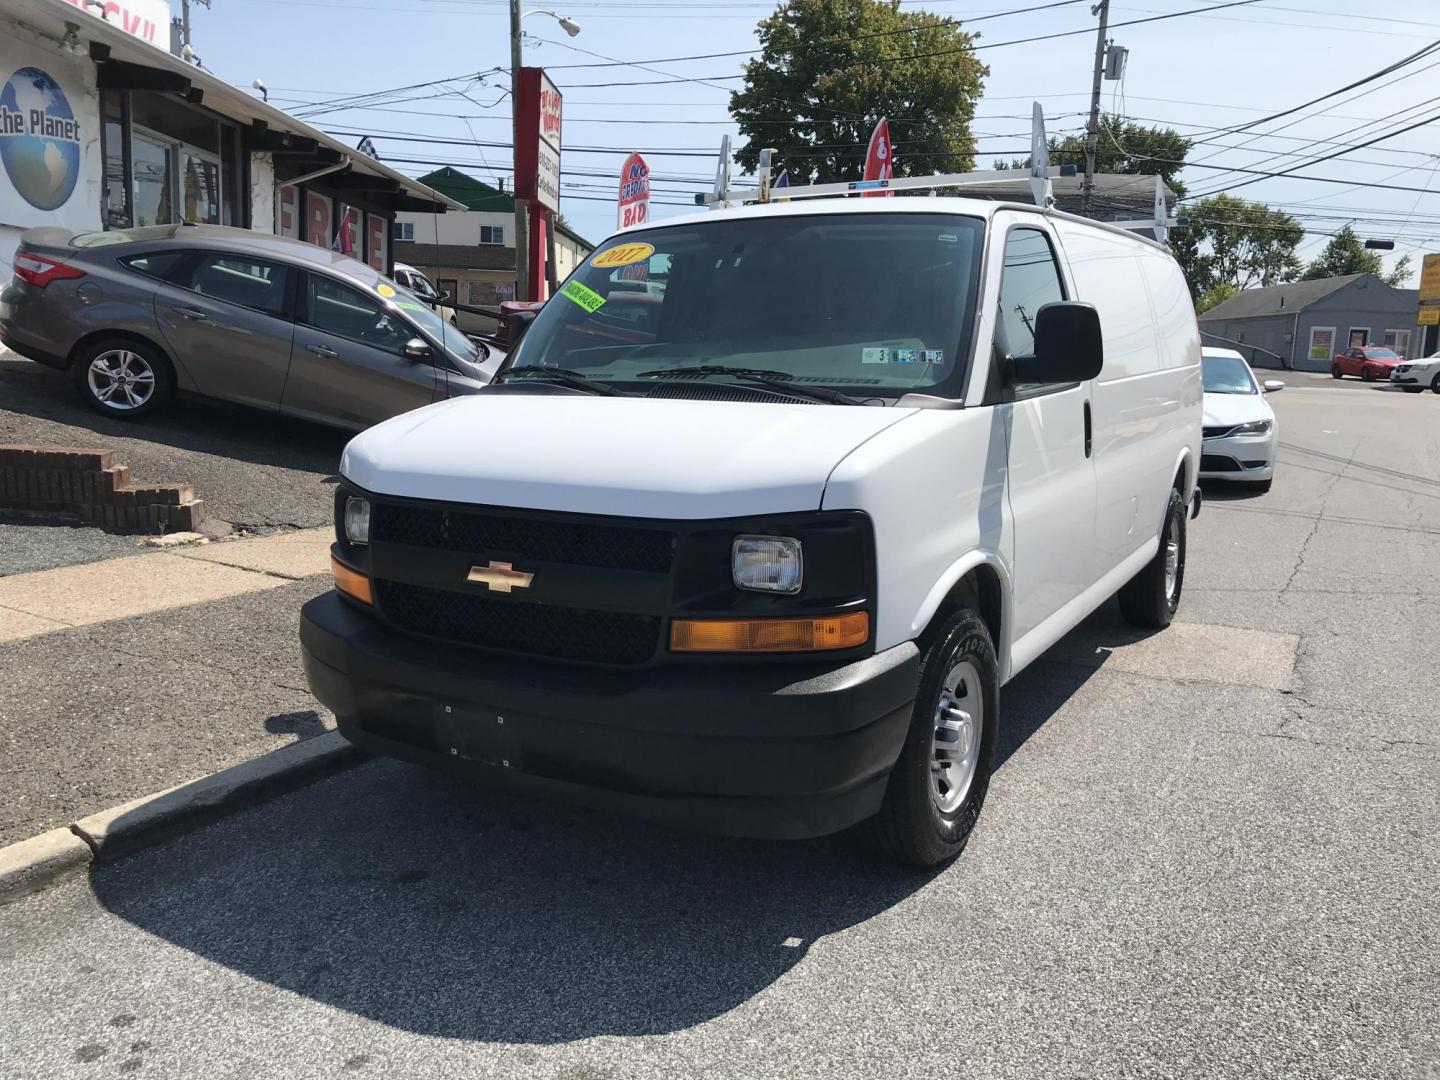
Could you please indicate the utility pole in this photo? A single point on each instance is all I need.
(185, 19)
(1092, 129)
(522, 231)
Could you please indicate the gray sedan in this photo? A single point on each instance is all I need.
(138, 314)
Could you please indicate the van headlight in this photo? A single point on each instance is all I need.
(767, 564)
(1257, 427)
(357, 520)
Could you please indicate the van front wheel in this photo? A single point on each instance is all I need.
(1151, 596)
(939, 782)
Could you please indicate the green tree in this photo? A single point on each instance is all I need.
(1124, 147)
(1346, 254)
(828, 70)
(1215, 295)
(1236, 242)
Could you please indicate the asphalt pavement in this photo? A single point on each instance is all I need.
(256, 471)
(1211, 852)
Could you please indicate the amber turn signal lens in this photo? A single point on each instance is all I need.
(351, 582)
(770, 635)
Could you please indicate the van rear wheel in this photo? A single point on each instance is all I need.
(1151, 597)
(939, 782)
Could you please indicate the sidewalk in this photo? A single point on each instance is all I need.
(137, 672)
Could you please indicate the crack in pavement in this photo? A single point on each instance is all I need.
(1319, 518)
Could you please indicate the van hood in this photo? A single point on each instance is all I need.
(634, 457)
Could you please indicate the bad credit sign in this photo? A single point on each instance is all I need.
(539, 115)
(634, 192)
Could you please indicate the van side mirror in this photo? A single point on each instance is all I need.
(1068, 345)
(1271, 385)
(519, 323)
(415, 350)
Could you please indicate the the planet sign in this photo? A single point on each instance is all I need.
(39, 139)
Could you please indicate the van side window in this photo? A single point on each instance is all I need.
(1028, 281)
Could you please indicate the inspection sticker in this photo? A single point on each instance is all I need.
(934, 356)
(904, 356)
(385, 290)
(623, 255)
(583, 295)
(874, 356)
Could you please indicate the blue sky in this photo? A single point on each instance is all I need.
(1199, 73)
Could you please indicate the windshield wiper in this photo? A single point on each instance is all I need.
(575, 380)
(779, 381)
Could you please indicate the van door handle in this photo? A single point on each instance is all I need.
(322, 350)
(192, 313)
(1088, 440)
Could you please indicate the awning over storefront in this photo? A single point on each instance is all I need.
(126, 62)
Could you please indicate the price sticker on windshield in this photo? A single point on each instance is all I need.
(623, 255)
(583, 295)
(385, 290)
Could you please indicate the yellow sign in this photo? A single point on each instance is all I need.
(1430, 278)
(623, 255)
(1430, 315)
(385, 290)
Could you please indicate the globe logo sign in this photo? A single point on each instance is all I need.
(39, 139)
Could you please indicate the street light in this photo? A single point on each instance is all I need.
(522, 230)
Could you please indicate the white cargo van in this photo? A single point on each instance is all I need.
(767, 506)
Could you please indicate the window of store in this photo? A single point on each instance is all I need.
(405, 230)
(489, 293)
(1399, 340)
(492, 234)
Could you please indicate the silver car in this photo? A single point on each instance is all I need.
(138, 314)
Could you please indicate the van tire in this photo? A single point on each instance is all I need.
(154, 377)
(914, 826)
(1147, 599)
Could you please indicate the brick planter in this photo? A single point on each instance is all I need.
(91, 485)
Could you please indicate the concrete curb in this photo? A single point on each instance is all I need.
(34, 864)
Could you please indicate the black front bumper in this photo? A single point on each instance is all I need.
(783, 751)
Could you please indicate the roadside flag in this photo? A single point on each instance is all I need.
(880, 157)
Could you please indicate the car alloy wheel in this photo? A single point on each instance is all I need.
(121, 380)
(1435, 383)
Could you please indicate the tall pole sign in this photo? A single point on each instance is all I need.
(634, 208)
(538, 110)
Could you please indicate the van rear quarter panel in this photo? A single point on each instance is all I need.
(1147, 400)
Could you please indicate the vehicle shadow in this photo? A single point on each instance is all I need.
(250, 435)
(430, 905)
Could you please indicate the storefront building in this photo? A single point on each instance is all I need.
(102, 128)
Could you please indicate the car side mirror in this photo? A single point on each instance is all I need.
(415, 350)
(441, 298)
(1272, 385)
(1068, 345)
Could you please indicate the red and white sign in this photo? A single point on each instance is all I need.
(148, 20)
(377, 249)
(538, 110)
(880, 157)
(634, 192)
(287, 211)
(318, 209)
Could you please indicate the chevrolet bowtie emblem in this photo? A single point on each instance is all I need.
(500, 577)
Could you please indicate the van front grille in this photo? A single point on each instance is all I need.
(486, 533)
(560, 633)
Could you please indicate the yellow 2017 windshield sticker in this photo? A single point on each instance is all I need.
(623, 255)
(385, 290)
(583, 295)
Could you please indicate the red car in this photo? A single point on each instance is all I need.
(1368, 362)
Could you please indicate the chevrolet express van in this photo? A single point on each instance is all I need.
(764, 510)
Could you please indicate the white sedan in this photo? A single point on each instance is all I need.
(1416, 375)
(1240, 433)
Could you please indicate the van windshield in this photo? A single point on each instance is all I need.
(874, 305)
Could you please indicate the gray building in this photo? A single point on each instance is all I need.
(1303, 324)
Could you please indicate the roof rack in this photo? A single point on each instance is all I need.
(1037, 176)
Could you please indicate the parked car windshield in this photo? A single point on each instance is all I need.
(1227, 375)
(1380, 353)
(873, 305)
(427, 318)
